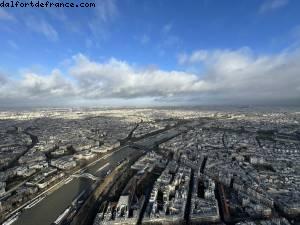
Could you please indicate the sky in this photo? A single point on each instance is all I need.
(151, 52)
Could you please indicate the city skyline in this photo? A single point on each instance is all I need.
(150, 166)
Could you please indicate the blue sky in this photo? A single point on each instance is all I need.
(193, 38)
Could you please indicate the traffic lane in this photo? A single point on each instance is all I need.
(99, 162)
(113, 159)
(101, 172)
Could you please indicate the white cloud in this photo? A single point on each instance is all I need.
(38, 87)
(195, 57)
(239, 75)
(270, 5)
(230, 76)
(3, 79)
(4, 15)
(104, 14)
(106, 10)
(169, 40)
(60, 15)
(116, 78)
(42, 27)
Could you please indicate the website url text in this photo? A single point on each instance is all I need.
(47, 4)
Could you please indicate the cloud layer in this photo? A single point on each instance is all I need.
(240, 76)
(227, 76)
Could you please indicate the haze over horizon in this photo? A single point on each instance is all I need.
(131, 53)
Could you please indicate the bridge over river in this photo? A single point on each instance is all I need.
(46, 211)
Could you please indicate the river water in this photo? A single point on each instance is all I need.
(47, 211)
